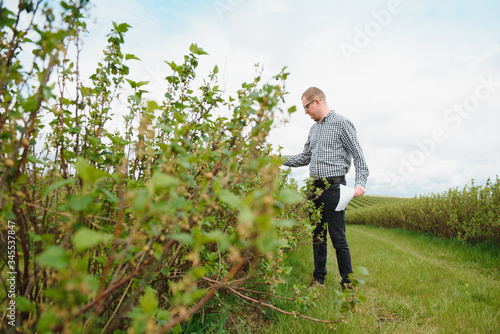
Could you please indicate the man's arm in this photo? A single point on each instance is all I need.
(350, 140)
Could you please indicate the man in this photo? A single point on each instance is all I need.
(331, 145)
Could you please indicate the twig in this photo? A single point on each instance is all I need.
(220, 262)
(243, 289)
(98, 299)
(283, 311)
(69, 215)
(186, 315)
(117, 307)
(266, 293)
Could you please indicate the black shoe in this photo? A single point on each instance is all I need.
(316, 284)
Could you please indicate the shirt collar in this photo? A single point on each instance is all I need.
(330, 114)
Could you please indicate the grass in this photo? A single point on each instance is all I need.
(418, 283)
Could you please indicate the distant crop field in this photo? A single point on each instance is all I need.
(367, 201)
(470, 214)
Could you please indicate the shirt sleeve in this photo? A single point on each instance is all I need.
(301, 159)
(350, 141)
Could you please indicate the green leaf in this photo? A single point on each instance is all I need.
(194, 295)
(46, 320)
(85, 238)
(43, 237)
(109, 196)
(56, 185)
(289, 196)
(246, 215)
(361, 271)
(130, 56)
(87, 172)
(33, 159)
(285, 223)
(123, 27)
(217, 236)
(197, 50)
(75, 130)
(136, 84)
(148, 301)
(184, 238)
(30, 104)
(161, 181)
(163, 317)
(177, 329)
(80, 203)
(22, 179)
(266, 244)
(54, 257)
(152, 105)
(283, 243)
(24, 304)
(230, 199)
(172, 65)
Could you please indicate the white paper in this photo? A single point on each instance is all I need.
(346, 194)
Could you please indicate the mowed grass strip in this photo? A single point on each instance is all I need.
(418, 283)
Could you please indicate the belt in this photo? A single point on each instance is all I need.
(331, 180)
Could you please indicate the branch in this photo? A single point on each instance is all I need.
(251, 291)
(266, 293)
(186, 315)
(283, 311)
(101, 296)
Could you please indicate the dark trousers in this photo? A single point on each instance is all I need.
(333, 222)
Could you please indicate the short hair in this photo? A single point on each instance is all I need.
(314, 93)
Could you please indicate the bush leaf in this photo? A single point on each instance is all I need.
(85, 238)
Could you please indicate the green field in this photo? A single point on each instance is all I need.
(417, 283)
(369, 200)
(467, 214)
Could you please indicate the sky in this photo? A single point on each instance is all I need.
(419, 79)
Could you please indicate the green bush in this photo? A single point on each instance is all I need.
(470, 214)
(134, 229)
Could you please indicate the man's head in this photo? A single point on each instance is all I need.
(314, 102)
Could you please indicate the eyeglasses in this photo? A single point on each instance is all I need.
(307, 105)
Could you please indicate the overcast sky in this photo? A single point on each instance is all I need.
(419, 79)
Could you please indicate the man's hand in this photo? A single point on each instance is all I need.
(359, 191)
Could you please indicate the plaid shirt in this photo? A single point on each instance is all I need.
(331, 145)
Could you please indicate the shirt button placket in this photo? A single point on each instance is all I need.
(318, 149)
